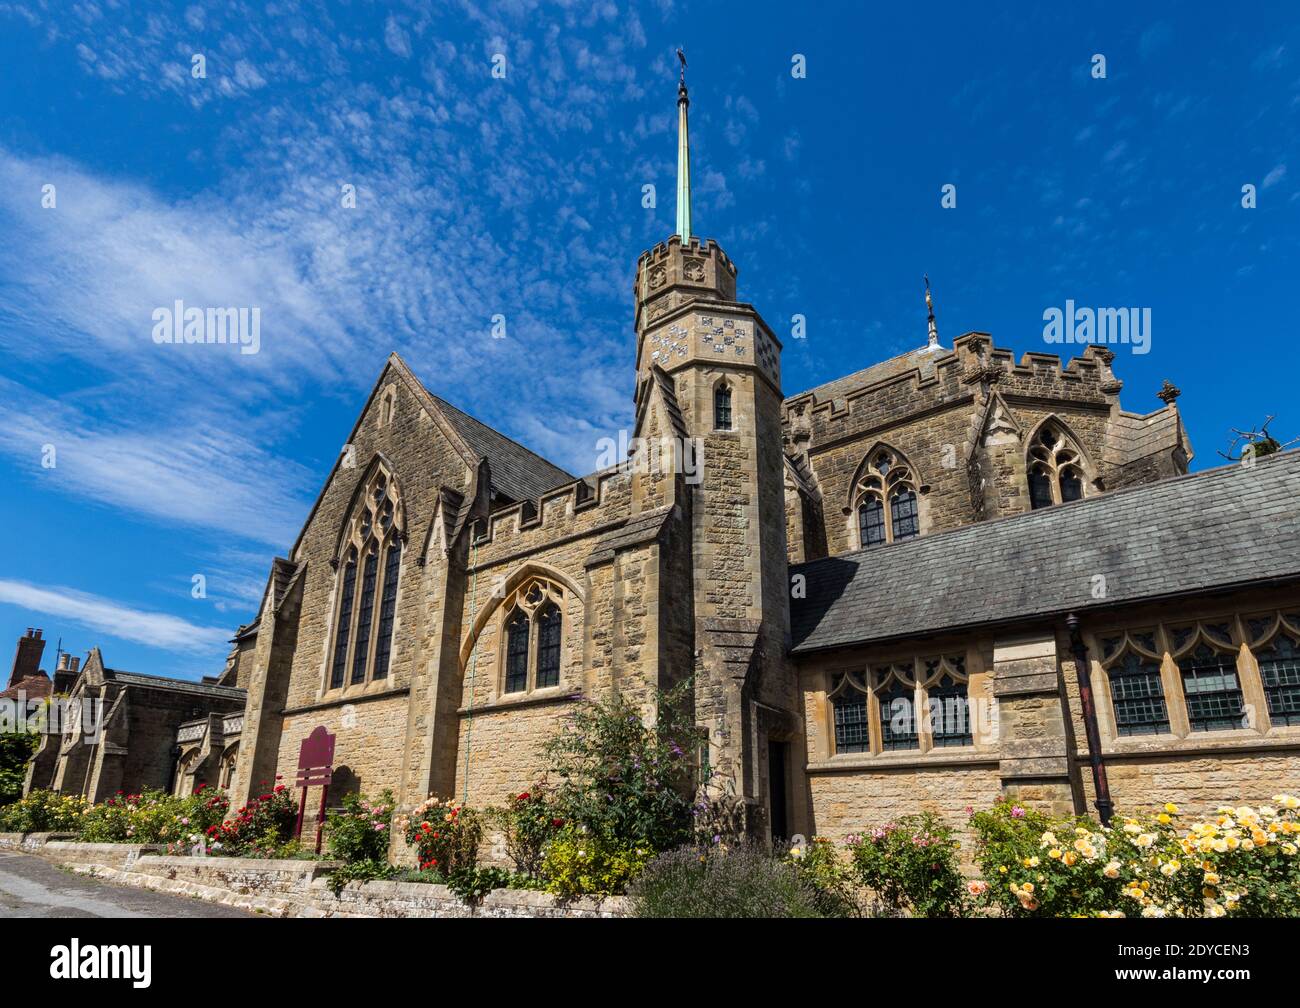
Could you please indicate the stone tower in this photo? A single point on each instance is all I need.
(721, 362)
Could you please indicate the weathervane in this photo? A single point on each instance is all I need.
(681, 55)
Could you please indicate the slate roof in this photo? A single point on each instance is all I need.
(1217, 529)
(173, 685)
(923, 359)
(516, 472)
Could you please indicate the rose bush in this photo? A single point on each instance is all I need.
(43, 812)
(1241, 860)
(445, 834)
(911, 866)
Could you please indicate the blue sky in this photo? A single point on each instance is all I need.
(521, 196)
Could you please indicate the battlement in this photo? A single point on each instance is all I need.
(554, 508)
(673, 272)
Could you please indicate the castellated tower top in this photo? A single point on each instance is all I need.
(677, 271)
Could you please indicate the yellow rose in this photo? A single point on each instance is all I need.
(1171, 808)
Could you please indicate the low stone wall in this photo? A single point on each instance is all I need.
(295, 888)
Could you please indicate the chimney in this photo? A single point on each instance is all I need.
(27, 657)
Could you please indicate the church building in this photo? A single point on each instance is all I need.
(950, 576)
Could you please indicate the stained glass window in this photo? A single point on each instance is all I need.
(345, 623)
(1040, 488)
(388, 608)
(1212, 689)
(871, 521)
(1279, 668)
(902, 512)
(548, 647)
(1138, 697)
(1071, 484)
(517, 653)
(1055, 473)
(365, 613)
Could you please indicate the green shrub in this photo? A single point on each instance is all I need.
(527, 822)
(44, 812)
(822, 865)
(629, 783)
(358, 832)
(911, 865)
(16, 751)
(577, 863)
(738, 881)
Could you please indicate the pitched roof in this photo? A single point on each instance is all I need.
(923, 358)
(173, 685)
(516, 472)
(1217, 529)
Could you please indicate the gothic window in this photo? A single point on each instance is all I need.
(1137, 696)
(517, 653)
(1055, 467)
(849, 704)
(534, 636)
(371, 544)
(1279, 668)
(948, 704)
(388, 608)
(722, 408)
(885, 501)
(345, 622)
(1212, 690)
(365, 612)
(548, 647)
(896, 695)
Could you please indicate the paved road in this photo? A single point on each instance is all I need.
(33, 887)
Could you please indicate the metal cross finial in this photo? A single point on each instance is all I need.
(681, 55)
(932, 329)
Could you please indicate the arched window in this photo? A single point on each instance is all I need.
(388, 608)
(885, 501)
(849, 703)
(548, 647)
(366, 617)
(1137, 695)
(1055, 468)
(896, 696)
(517, 653)
(1279, 668)
(1212, 689)
(722, 407)
(345, 621)
(949, 706)
(534, 636)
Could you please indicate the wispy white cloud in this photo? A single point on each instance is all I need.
(155, 629)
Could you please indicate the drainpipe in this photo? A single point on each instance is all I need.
(1100, 785)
